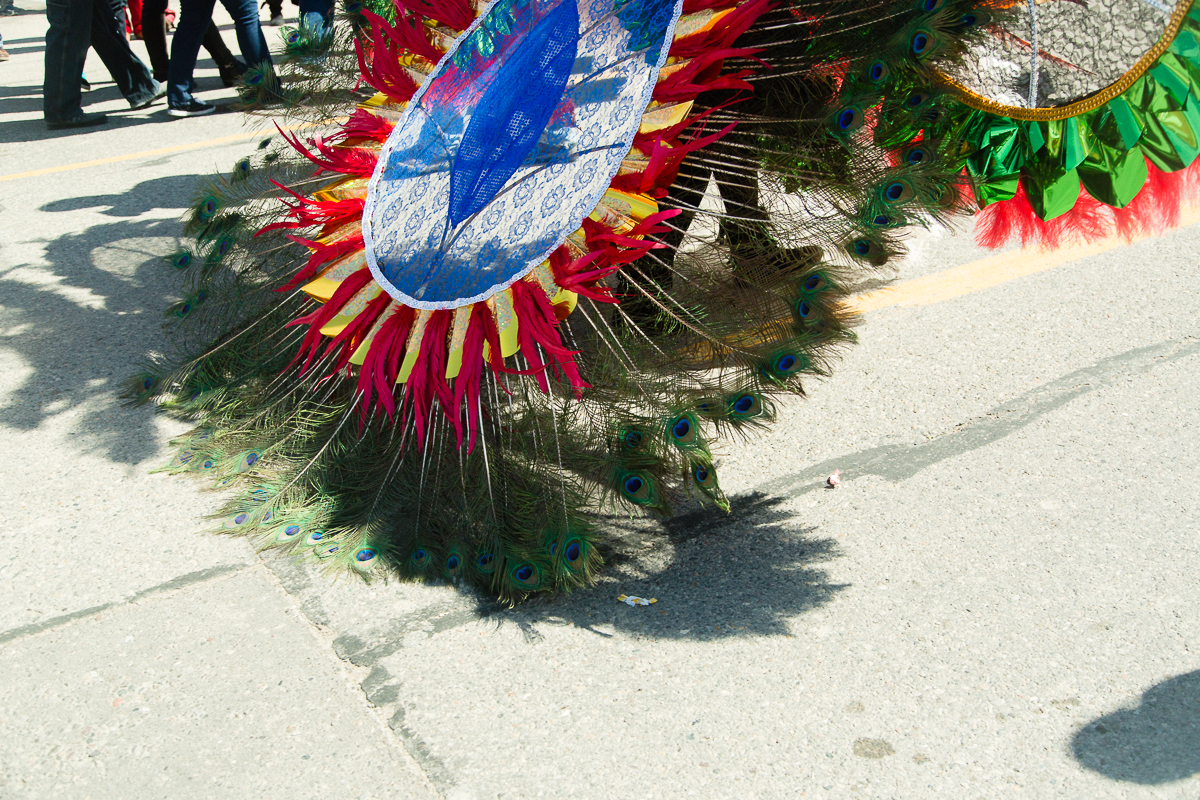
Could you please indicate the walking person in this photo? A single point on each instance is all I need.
(76, 25)
(195, 16)
(154, 33)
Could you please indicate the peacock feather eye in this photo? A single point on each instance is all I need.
(881, 220)
(803, 309)
(525, 574)
(181, 260)
(364, 555)
(898, 191)
(208, 207)
(862, 247)
(637, 488)
(745, 405)
(354, 7)
(485, 563)
(916, 99)
(314, 537)
(931, 5)
(208, 464)
(185, 457)
(453, 562)
(813, 282)
(148, 383)
(968, 20)
(878, 71)
(848, 119)
(633, 439)
(703, 475)
(293, 37)
(241, 518)
(573, 554)
(916, 155)
(683, 429)
(786, 363)
(420, 558)
(288, 533)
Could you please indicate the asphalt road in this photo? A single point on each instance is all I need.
(1000, 600)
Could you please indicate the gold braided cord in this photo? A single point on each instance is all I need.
(978, 101)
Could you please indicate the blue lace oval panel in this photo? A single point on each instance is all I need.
(510, 143)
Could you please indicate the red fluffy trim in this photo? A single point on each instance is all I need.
(329, 214)
(319, 318)
(362, 124)
(384, 71)
(428, 377)
(322, 254)
(382, 363)
(537, 327)
(1155, 209)
(724, 33)
(455, 13)
(346, 160)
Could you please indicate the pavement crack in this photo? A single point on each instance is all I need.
(899, 462)
(190, 579)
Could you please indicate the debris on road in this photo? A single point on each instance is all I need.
(834, 480)
(631, 600)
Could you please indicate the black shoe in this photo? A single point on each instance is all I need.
(231, 72)
(84, 85)
(193, 109)
(80, 120)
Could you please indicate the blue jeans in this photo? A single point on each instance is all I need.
(314, 12)
(76, 25)
(194, 19)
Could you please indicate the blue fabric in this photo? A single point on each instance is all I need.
(513, 112)
(509, 144)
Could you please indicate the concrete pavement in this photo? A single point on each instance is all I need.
(1000, 601)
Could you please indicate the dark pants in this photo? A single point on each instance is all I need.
(74, 26)
(195, 16)
(154, 33)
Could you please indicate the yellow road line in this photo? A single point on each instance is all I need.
(177, 148)
(988, 272)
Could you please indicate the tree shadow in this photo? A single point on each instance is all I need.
(80, 323)
(1156, 742)
(714, 576)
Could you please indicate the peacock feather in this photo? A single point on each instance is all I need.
(507, 265)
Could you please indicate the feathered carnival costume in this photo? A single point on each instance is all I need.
(508, 264)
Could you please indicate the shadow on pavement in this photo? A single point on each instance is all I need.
(1156, 742)
(715, 575)
(81, 322)
(170, 192)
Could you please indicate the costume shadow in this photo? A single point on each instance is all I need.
(170, 192)
(714, 575)
(83, 331)
(1156, 742)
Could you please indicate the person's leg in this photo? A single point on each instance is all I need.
(67, 43)
(154, 34)
(249, 31)
(316, 14)
(135, 17)
(108, 40)
(229, 67)
(194, 18)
